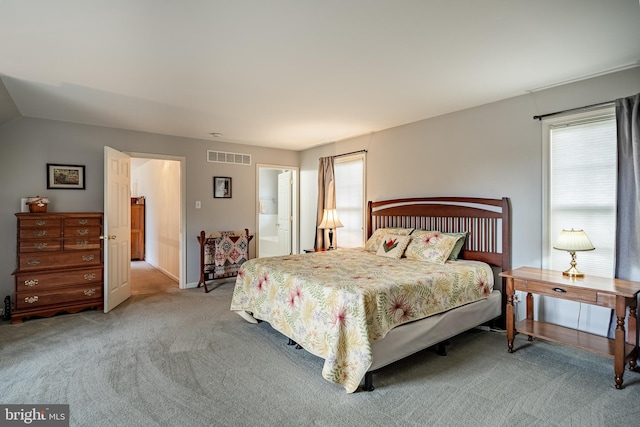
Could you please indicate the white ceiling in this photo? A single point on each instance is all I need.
(297, 73)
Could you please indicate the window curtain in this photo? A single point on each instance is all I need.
(627, 266)
(628, 212)
(326, 198)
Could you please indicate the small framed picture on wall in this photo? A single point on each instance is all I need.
(221, 187)
(67, 177)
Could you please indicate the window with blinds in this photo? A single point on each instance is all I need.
(581, 190)
(579, 174)
(349, 172)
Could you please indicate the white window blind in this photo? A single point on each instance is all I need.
(349, 182)
(579, 192)
(582, 189)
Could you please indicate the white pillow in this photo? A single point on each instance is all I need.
(393, 245)
(373, 243)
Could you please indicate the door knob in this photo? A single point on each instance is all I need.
(108, 237)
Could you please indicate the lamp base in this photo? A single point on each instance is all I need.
(330, 239)
(573, 272)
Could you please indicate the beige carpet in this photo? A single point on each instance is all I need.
(183, 359)
(145, 279)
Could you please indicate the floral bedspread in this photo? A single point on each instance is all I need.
(335, 303)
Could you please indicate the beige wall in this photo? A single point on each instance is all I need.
(8, 109)
(28, 144)
(493, 150)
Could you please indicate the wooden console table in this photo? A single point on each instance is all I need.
(604, 292)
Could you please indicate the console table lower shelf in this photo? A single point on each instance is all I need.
(612, 293)
(573, 338)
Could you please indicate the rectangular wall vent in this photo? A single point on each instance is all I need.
(224, 157)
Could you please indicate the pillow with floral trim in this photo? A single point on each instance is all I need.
(432, 246)
(461, 237)
(373, 243)
(455, 253)
(393, 245)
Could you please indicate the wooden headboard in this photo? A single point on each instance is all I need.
(486, 220)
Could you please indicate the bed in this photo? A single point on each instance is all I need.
(362, 309)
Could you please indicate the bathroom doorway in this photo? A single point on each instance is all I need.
(277, 210)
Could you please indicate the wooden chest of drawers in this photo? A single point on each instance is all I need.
(59, 264)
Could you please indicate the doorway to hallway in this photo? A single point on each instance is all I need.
(158, 181)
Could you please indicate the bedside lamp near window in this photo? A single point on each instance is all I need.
(330, 220)
(573, 241)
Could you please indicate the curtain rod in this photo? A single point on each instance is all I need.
(348, 154)
(542, 116)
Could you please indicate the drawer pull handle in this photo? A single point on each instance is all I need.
(89, 276)
(31, 300)
(40, 245)
(41, 222)
(31, 282)
(83, 232)
(83, 221)
(82, 242)
(560, 290)
(33, 262)
(40, 233)
(90, 292)
(88, 257)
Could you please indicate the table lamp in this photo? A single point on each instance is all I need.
(573, 241)
(330, 220)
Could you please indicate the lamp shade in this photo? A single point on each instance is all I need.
(330, 219)
(573, 241)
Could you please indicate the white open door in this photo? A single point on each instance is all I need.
(284, 212)
(117, 228)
